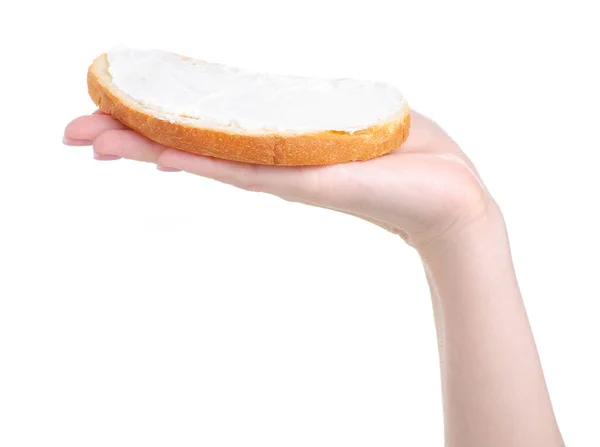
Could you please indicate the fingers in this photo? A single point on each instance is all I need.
(113, 142)
(84, 130)
(111, 139)
(291, 183)
(116, 143)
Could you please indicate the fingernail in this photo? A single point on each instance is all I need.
(105, 157)
(75, 142)
(167, 169)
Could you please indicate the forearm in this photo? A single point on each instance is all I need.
(493, 387)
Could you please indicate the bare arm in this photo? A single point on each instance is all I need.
(493, 387)
(429, 193)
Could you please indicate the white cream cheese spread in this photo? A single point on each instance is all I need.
(216, 95)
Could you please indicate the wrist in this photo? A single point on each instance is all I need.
(481, 227)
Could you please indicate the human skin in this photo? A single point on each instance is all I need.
(429, 193)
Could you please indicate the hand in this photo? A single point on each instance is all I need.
(428, 192)
(425, 191)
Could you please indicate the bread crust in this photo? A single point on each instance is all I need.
(283, 149)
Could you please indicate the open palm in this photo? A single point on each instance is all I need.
(420, 191)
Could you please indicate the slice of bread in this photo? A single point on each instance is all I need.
(229, 113)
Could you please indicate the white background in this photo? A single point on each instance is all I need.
(141, 308)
